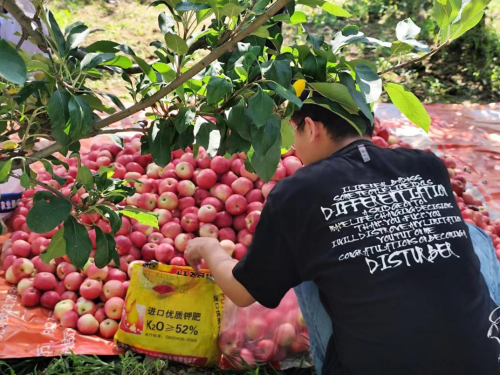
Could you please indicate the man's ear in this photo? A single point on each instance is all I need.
(310, 127)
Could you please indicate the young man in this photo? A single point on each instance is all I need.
(379, 234)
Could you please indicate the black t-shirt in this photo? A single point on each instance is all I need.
(379, 232)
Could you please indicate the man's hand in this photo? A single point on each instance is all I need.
(221, 266)
(196, 249)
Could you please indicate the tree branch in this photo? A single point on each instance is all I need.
(114, 131)
(48, 187)
(408, 63)
(198, 67)
(26, 24)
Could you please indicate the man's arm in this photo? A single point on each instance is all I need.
(221, 266)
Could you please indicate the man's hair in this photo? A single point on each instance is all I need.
(336, 126)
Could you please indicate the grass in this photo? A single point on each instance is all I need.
(127, 364)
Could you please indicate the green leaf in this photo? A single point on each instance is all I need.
(84, 176)
(166, 23)
(59, 116)
(58, 35)
(316, 40)
(102, 248)
(236, 120)
(347, 80)
(5, 170)
(340, 40)
(25, 181)
(472, 13)
(106, 170)
(176, 44)
(400, 47)
(207, 135)
(356, 121)
(114, 99)
(45, 216)
(146, 68)
(338, 93)
(12, 66)
(266, 162)
(287, 95)
(104, 46)
(315, 66)
(81, 117)
(91, 60)
(57, 247)
(159, 142)
(336, 10)
(120, 61)
(369, 82)
(287, 134)
(262, 32)
(265, 137)
(78, 245)
(260, 108)
(96, 104)
(184, 118)
(76, 36)
(298, 17)
(217, 88)
(278, 71)
(185, 6)
(142, 216)
(409, 105)
(112, 216)
(231, 10)
(407, 31)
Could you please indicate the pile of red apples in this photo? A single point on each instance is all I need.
(193, 197)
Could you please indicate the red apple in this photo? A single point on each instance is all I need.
(200, 195)
(62, 307)
(236, 204)
(91, 289)
(291, 164)
(85, 306)
(213, 202)
(88, 325)
(185, 203)
(190, 210)
(242, 186)
(116, 274)
(69, 319)
(113, 288)
(164, 253)
(207, 213)
(21, 248)
(186, 188)
(220, 164)
(184, 170)
(164, 216)
(230, 341)
(285, 334)
(73, 281)
(108, 328)
(178, 261)
(223, 219)
(45, 281)
(134, 167)
(255, 206)
(190, 222)
(119, 171)
(22, 268)
(19, 235)
(181, 242)
(123, 245)
(148, 251)
(252, 220)
(31, 297)
(155, 237)
(24, 284)
(228, 178)
(145, 229)
(239, 251)
(239, 222)
(95, 273)
(138, 239)
(50, 299)
(265, 350)
(39, 245)
(171, 230)
(209, 230)
(227, 234)
(254, 195)
(222, 192)
(236, 165)
(114, 307)
(69, 295)
(206, 179)
(148, 202)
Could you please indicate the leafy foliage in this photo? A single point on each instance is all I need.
(234, 100)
